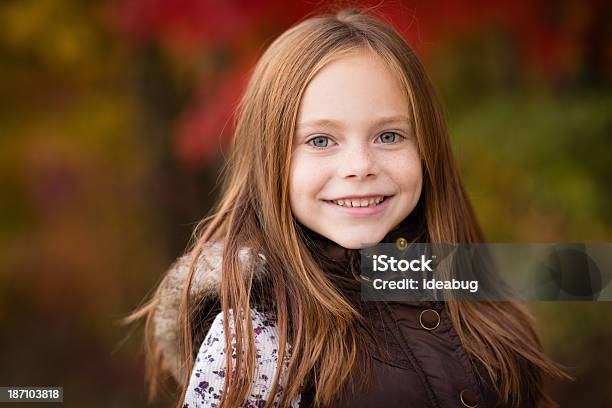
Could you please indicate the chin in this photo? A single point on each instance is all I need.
(358, 242)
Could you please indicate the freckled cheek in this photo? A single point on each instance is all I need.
(405, 170)
(306, 181)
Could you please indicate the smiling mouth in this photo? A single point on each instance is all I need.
(360, 202)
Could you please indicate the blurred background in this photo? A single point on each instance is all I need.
(114, 120)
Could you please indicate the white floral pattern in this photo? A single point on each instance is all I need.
(209, 371)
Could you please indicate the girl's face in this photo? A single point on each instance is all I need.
(355, 167)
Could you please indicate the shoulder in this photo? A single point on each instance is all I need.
(206, 280)
(203, 293)
(209, 370)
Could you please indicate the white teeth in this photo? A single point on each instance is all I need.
(360, 203)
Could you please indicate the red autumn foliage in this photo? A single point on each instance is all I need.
(549, 36)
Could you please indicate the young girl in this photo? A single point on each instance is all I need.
(339, 144)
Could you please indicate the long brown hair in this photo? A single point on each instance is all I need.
(254, 211)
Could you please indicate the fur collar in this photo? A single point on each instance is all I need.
(205, 286)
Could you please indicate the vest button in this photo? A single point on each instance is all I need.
(401, 243)
(469, 398)
(429, 319)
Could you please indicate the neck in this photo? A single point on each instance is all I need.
(338, 260)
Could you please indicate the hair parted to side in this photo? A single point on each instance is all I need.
(254, 211)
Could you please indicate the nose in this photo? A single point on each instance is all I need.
(358, 162)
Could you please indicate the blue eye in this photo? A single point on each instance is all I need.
(320, 142)
(389, 137)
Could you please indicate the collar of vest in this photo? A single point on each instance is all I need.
(205, 287)
(206, 283)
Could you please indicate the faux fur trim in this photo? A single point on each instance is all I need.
(205, 286)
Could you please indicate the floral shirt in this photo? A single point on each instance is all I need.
(209, 371)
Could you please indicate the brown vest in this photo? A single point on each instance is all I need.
(422, 362)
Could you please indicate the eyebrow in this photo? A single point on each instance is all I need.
(335, 124)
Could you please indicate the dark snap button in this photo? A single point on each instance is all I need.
(469, 398)
(429, 319)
